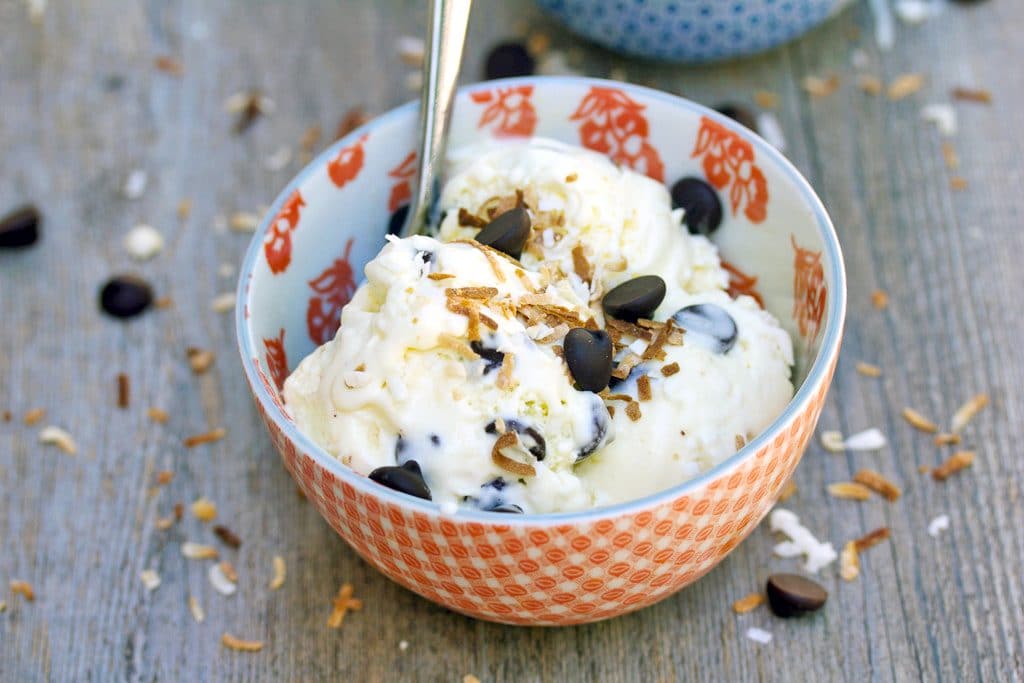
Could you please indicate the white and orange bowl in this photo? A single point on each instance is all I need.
(554, 569)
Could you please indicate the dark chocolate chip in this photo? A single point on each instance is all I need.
(740, 114)
(425, 257)
(492, 357)
(397, 220)
(534, 441)
(588, 353)
(407, 478)
(506, 507)
(700, 203)
(19, 228)
(125, 296)
(635, 299)
(507, 60)
(792, 595)
(113, 82)
(600, 430)
(498, 483)
(435, 439)
(507, 232)
(709, 321)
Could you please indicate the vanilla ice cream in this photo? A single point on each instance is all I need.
(449, 378)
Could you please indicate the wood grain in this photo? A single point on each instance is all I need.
(81, 105)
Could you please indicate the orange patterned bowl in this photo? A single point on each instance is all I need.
(779, 246)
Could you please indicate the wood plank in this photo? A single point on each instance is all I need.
(81, 529)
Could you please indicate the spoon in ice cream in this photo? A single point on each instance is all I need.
(446, 34)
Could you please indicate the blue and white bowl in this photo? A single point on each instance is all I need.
(692, 30)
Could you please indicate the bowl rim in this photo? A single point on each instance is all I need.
(818, 373)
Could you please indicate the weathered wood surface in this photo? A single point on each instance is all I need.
(81, 105)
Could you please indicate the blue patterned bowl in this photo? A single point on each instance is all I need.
(691, 30)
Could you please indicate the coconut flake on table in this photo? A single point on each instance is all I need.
(915, 12)
(135, 184)
(859, 58)
(867, 440)
(759, 635)
(885, 29)
(411, 50)
(143, 242)
(771, 130)
(942, 115)
(801, 542)
(938, 525)
(280, 158)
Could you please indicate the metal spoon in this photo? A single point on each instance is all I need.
(446, 34)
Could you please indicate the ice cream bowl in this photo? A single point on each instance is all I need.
(305, 262)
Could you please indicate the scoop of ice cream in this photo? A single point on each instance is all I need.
(699, 404)
(445, 351)
(588, 215)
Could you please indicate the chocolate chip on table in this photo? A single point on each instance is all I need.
(493, 357)
(507, 60)
(507, 232)
(634, 299)
(125, 296)
(792, 595)
(709, 321)
(19, 228)
(739, 114)
(407, 478)
(588, 353)
(532, 439)
(700, 202)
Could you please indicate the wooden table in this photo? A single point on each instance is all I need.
(82, 105)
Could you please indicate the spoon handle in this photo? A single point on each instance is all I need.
(446, 34)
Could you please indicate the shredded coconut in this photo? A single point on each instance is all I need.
(759, 635)
(914, 12)
(885, 30)
(135, 184)
(143, 242)
(942, 115)
(221, 583)
(801, 541)
(771, 130)
(938, 525)
(868, 440)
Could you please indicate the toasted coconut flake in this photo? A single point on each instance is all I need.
(34, 416)
(538, 43)
(350, 120)
(904, 86)
(766, 99)
(179, 511)
(280, 572)
(204, 510)
(481, 293)
(220, 580)
(228, 570)
(157, 415)
(818, 86)
(206, 437)
(872, 85)
(956, 462)
(633, 411)
(3, 606)
(611, 411)
(411, 50)
(740, 442)
(747, 603)
(470, 678)
(947, 439)
(950, 156)
(849, 562)
(458, 345)
(832, 441)
(169, 65)
(868, 370)
(654, 349)
(243, 221)
(164, 477)
(919, 421)
(200, 360)
(788, 490)
(877, 483)
(468, 219)
(123, 390)
(871, 538)
(879, 299)
(222, 303)
(643, 388)
(967, 411)
(440, 276)
(55, 436)
(198, 551)
(229, 537)
(670, 369)
(958, 183)
(23, 588)
(342, 604)
(232, 643)
(980, 95)
(849, 490)
(581, 265)
(508, 441)
(196, 609)
(163, 302)
(626, 365)
(164, 523)
(505, 379)
(150, 579)
(184, 208)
